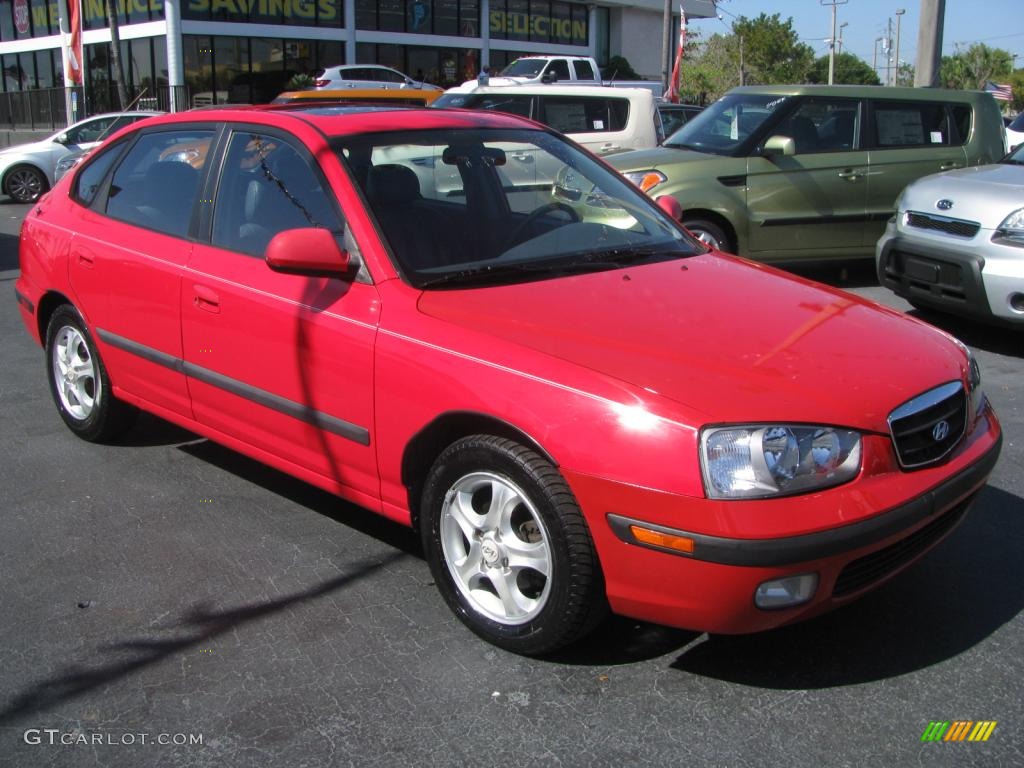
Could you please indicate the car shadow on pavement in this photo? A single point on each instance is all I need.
(327, 504)
(957, 596)
(200, 625)
(8, 252)
(976, 334)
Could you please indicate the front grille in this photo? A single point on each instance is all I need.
(925, 429)
(876, 566)
(949, 226)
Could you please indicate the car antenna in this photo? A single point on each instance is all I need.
(134, 101)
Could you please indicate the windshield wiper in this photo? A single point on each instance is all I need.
(614, 258)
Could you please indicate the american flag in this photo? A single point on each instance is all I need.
(999, 91)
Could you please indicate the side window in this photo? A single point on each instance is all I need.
(583, 70)
(823, 125)
(91, 176)
(559, 68)
(961, 121)
(910, 124)
(90, 131)
(585, 114)
(496, 102)
(389, 76)
(267, 187)
(157, 183)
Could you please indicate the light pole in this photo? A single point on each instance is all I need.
(844, 24)
(832, 41)
(899, 17)
(874, 56)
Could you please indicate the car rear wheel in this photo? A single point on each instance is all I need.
(710, 234)
(25, 184)
(508, 546)
(79, 382)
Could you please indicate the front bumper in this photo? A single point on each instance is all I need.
(976, 277)
(712, 589)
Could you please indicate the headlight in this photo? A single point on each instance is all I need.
(646, 180)
(65, 164)
(749, 462)
(1011, 231)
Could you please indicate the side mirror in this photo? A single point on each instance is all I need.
(62, 138)
(548, 77)
(779, 145)
(312, 251)
(671, 206)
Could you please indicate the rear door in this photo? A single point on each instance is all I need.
(908, 140)
(813, 202)
(128, 255)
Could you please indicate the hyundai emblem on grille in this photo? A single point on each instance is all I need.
(944, 205)
(940, 431)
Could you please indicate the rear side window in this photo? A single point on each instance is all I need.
(910, 124)
(583, 70)
(496, 102)
(585, 114)
(157, 183)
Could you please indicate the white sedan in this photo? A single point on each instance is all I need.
(27, 170)
(956, 243)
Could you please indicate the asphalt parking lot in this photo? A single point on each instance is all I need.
(165, 601)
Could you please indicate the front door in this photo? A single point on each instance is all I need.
(282, 362)
(811, 203)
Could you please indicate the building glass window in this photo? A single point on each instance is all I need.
(469, 18)
(328, 54)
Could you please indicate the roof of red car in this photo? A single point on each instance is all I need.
(343, 119)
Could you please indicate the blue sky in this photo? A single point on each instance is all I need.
(997, 23)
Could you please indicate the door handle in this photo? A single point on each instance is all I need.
(850, 175)
(206, 298)
(87, 260)
(609, 147)
(522, 158)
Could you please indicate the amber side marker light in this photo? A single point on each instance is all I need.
(658, 539)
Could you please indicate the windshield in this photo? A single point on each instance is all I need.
(725, 126)
(1018, 123)
(1016, 157)
(524, 68)
(477, 206)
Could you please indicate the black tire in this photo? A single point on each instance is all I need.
(25, 183)
(540, 523)
(710, 234)
(78, 380)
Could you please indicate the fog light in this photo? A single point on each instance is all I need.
(787, 592)
(1017, 302)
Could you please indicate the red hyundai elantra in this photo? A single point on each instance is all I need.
(467, 324)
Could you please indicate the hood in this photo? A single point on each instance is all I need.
(732, 341)
(21, 149)
(984, 193)
(660, 157)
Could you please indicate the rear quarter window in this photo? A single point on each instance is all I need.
(961, 114)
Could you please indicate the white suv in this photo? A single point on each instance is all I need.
(604, 120)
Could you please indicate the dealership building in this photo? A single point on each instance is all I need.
(213, 51)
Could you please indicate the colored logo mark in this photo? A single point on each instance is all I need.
(958, 730)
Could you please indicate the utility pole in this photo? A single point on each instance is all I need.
(743, 74)
(832, 40)
(929, 43)
(896, 72)
(888, 52)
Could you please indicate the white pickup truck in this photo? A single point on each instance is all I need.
(561, 70)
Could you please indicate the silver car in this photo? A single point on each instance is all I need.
(27, 170)
(956, 243)
(366, 76)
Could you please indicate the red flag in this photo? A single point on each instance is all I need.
(74, 71)
(673, 86)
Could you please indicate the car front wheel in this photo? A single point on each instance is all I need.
(79, 382)
(710, 234)
(508, 546)
(25, 184)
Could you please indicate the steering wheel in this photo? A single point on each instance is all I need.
(535, 214)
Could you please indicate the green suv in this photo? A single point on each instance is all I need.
(798, 172)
